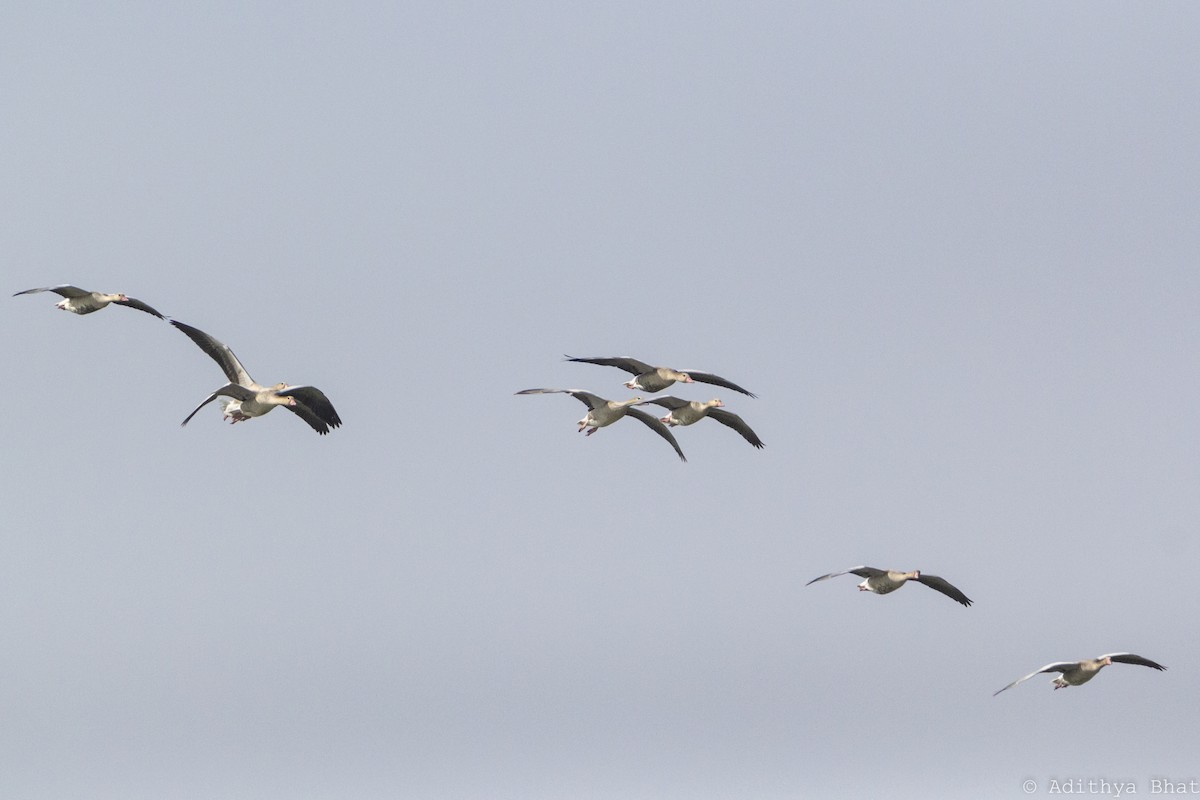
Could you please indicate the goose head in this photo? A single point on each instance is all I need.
(282, 399)
(675, 375)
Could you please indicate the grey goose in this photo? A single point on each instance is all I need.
(245, 399)
(653, 379)
(689, 412)
(81, 301)
(885, 581)
(602, 413)
(1075, 673)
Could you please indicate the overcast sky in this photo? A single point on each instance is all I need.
(952, 247)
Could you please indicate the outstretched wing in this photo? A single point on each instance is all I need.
(656, 426)
(313, 407)
(716, 380)
(587, 398)
(65, 290)
(233, 369)
(862, 572)
(944, 586)
(630, 365)
(228, 390)
(139, 305)
(1130, 658)
(667, 402)
(1058, 666)
(737, 423)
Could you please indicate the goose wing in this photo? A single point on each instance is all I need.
(228, 390)
(65, 290)
(313, 407)
(945, 587)
(1130, 658)
(737, 423)
(667, 402)
(716, 380)
(1057, 666)
(139, 305)
(590, 400)
(630, 365)
(656, 426)
(219, 352)
(862, 572)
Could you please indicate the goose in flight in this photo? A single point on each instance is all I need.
(79, 301)
(654, 379)
(602, 413)
(883, 581)
(246, 399)
(689, 412)
(1075, 673)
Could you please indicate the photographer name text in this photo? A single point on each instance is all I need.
(1109, 787)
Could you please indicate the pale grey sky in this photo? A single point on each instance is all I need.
(952, 247)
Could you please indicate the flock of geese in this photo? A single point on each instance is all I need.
(649, 379)
(242, 398)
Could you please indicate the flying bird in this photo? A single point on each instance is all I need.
(602, 413)
(689, 412)
(884, 581)
(246, 399)
(1075, 673)
(654, 379)
(79, 301)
